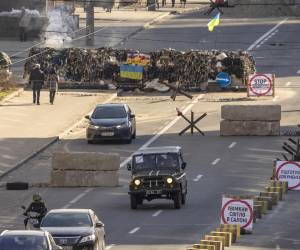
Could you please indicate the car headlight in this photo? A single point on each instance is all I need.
(91, 237)
(94, 126)
(123, 125)
(169, 180)
(137, 182)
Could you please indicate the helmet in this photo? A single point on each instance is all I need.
(36, 197)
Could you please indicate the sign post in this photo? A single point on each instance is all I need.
(288, 171)
(261, 85)
(237, 212)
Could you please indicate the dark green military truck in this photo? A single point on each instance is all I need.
(158, 173)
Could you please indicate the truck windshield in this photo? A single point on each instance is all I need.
(155, 161)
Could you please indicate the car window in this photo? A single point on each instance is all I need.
(109, 112)
(23, 242)
(159, 161)
(67, 220)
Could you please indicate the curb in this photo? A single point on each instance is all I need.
(32, 155)
(12, 95)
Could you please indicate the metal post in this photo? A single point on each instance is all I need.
(90, 24)
(192, 122)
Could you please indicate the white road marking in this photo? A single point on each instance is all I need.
(78, 197)
(163, 130)
(110, 246)
(232, 145)
(258, 41)
(298, 72)
(198, 177)
(215, 162)
(288, 84)
(134, 230)
(157, 213)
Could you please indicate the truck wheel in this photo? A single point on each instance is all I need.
(177, 200)
(133, 202)
(183, 199)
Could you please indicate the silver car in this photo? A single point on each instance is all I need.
(27, 240)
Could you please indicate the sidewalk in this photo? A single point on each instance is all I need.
(25, 128)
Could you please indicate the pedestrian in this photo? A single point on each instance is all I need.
(24, 25)
(36, 79)
(52, 81)
(173, 3)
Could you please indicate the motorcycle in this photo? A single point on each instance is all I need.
(32, 220)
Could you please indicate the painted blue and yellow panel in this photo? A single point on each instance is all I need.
(131, 71)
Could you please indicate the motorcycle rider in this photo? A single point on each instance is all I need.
(38, 206)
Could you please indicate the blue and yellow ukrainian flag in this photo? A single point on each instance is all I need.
(214, 22)
(131, 71)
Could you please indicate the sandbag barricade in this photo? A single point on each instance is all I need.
(92, 67)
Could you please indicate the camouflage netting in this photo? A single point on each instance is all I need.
(94, 66)
(5, 73)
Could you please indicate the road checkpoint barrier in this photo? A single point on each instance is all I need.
(192, 122)
(250, 120)
(220, 239)
(226, 235)
(238, 214)
(216, 244)
(203, 246)
(261, 85)
(85, 170)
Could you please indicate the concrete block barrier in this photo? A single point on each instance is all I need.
(226, 235)
(266, 199)
(216, 238)
(86, 161)
(73, 178)
(204, 246)
(216, 244)
(279, 190)
(229, 230)
(257, 211)
(263, 204)
(251, 112)
(282, 184)
(249, 128)
(236, 228)
(273, 195)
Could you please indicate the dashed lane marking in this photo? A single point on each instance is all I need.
(198, 177)
(232, 145)
(134, 230)
(215, 162)
(157, 213)
(78, 197)
(259, 40)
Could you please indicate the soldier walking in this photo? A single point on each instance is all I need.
(52, 81)
(36, 79)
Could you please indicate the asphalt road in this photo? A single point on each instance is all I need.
(216, 165)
